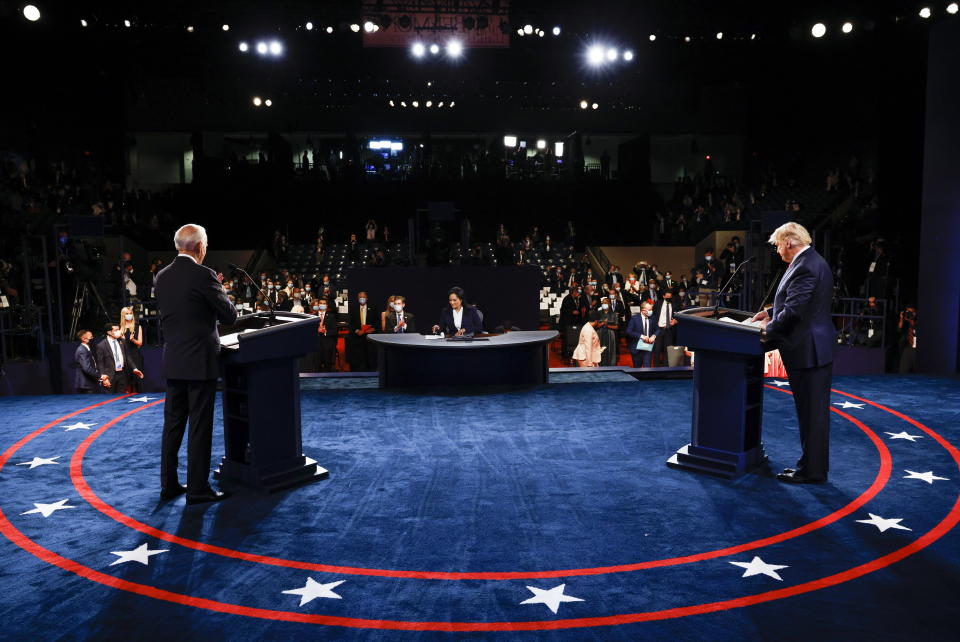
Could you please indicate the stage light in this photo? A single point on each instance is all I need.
(309, 26)
(355, 28)
(595, 55)
(189, 28)
(126, 23)
(952, 8)
(925, 13)
(611, 54)
(452, 103)
(818, 30)
(440, 104)
(653, 37)
(528, 29)
(541, 144)
(31, 13)
(594, 106)
(415, 103)
(686, 38)
(719, 35)
(244, 47)
(418, 50)
(753, 36)
(541, 33)
(83, 23)
(520, 31)
(509, 141)
(329, 29)
(558, 149)
(429, 104)
(847, 27)
(434, 49)
(225, 27)
(368, 26)
(454, 48)
(583, 104)
(403, 103)
(276, 48)
(262, 48)
(628, 55)
(268, 102)
(392, 104)
(257, 101)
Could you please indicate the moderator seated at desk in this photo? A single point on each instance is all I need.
(458, 318)
(515, 358)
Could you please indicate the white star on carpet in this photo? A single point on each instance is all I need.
(884, 524)
(39, 461)
(312, 590)
(904, 435)
(79, 426)
(927, 476)
(143, 399)
(780, 384)
(140, 554)
(48, 509)
(551, 598)
(757, 566)
(848, 404)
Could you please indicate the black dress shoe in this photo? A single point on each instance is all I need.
(789, 471)
(209, 496)
(172, 493)
(795, 478)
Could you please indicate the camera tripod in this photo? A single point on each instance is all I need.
(84, 291)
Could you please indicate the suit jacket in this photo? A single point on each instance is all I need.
(567, 306)
(107, 363)
(330, 320)
(87, 374)
(353, 318)
(392, 322)
(191, 302)
(635, 330)
(612, 278)
(801, 326)
(469, 322)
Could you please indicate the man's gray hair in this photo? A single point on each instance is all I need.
(791, 231)
(189, 236)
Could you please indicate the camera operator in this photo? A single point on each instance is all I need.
(907, 329)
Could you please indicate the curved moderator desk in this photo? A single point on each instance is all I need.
(515, 358)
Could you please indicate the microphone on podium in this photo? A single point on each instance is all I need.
(272, 318)
(716, 308)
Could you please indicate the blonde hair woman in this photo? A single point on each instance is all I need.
(132, 333)
(386, 312)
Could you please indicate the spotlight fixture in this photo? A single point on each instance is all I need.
(509, 141)
(686, 38)
(244, 47)
(403, 103)
(541, 144)
(439, 104)
(753, 36)
(418, 50)
(583, 104)
(268, 102)
(611, 54)
(719, 35)
(127, 23)
(520, 31)
(556, 31)
(434, 49)
(262, 48)
(594, 106)
(83, 23)
(595, 55)
(355, 28)
(818, 30)
(452, 103)
(952, 8)
(429, 104)
(925, 13)
(257, 101)
(308, 26)
(454, 48)
(541, 33)
(329, 29)
(392, 104)
(653, 37)
(528, 29)
(225, 27)
(31, 13)
(189, 28)
(628, 55)
(276, 48)
(415, 103)
(847, 27)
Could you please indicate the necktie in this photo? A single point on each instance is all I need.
(399, 321)
(117, 360)
(363, 315)
(646, 328)
(669, 314)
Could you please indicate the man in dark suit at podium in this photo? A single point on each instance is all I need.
(191, 301)
(799, 325)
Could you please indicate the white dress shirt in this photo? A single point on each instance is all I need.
(458, 318)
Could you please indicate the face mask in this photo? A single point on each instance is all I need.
(308, 288)
(128, 317)
(708, 257)
(289, 285)
(316, 307)
(398, 307)
(296, 296)
(645, 313)
(683, 294)
(605, 306)
(361, 300)
(320, 307)
(669, 276)
(271, 286)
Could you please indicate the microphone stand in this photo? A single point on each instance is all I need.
(776, 279)
(716, 308)
(272, 319)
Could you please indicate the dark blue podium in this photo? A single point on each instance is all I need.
(261, 401)
(727, 425)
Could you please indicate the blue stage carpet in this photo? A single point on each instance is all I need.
(542, 513)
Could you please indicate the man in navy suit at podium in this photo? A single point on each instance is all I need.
(191, 301)
(799, 325)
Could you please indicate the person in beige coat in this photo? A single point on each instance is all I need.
(589, 350)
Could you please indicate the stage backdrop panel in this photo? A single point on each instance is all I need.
(500, 293)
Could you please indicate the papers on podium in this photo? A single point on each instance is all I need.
(752, 324)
